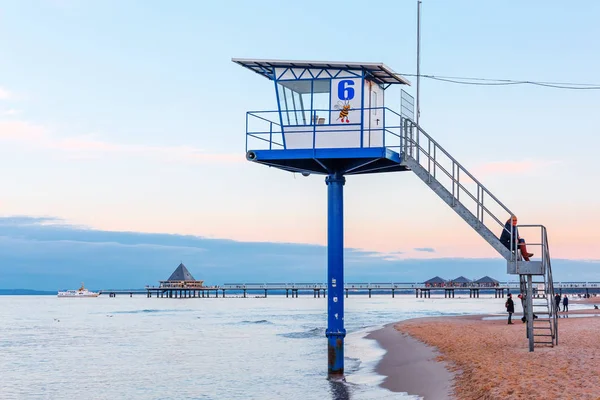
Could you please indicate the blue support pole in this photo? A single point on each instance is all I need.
(335, 332)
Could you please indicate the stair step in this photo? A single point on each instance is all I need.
(552, 343)
(541, 335)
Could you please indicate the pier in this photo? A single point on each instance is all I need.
(318, 290)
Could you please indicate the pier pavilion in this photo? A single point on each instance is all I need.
(181, 284)
(487, 281)
(181, 279)
(462, 283)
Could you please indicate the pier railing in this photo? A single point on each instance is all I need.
(402, 285)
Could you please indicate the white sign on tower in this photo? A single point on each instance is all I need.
(346, 96)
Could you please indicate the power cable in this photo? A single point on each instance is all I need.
(507, 82)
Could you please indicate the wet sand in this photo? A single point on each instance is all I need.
(411, 366)
(591, 300)
(488, 359)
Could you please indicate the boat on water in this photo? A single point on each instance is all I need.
(81, 292)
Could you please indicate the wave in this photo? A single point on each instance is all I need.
(260, 321)
(310, 333)
(147, 311)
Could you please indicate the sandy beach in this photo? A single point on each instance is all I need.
(591, 300)
(488, 359)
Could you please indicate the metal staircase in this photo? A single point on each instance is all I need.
(474, 203)
(542, 310)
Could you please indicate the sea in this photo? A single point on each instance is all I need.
(200, 348)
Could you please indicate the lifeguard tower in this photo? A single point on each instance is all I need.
(331, 120)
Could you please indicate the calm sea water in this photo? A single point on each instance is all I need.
(233, 348)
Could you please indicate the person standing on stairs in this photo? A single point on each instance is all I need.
(510, 308)
(510, 229)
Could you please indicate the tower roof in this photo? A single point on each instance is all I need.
(380, 72)
(181, 273)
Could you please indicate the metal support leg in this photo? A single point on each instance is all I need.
(530, 312)
(335, 275)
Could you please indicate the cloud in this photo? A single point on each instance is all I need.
(25, 220)
(20, 131)
(48, 254)
(425, 249)
(10, 112)
(88, 146)
(512, 167)
(5, 94)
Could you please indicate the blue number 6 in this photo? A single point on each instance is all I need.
(345, 92)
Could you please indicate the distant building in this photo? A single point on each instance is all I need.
(461, 281)
(181, 279)
(486, 281)
(435, 282)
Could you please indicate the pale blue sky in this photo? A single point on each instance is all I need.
(129, 115)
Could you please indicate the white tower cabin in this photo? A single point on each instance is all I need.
(326, 111)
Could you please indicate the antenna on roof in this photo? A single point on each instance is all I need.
(418, 59)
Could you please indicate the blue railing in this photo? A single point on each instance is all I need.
(267, 130)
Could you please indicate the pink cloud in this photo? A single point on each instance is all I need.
(21, 131)
(4, 94)
(512, 167)
(86, 147)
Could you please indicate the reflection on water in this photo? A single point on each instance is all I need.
(339, 390)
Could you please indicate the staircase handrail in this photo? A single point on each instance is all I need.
(550, 282)
(408, 140)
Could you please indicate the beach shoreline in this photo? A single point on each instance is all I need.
(410, 366)
(469, 357)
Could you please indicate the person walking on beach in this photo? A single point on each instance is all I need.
(557, 301)
(510, 308)
(523, 298)
(566, 303)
